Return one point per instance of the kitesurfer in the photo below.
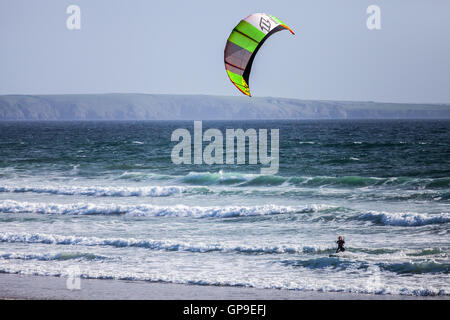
(340, 242)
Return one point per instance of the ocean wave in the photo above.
(186, 246)
(11, 206)
(157, 244)
(232, 178)
(265, 181)
(272, 182)
(427, 252)
(99, 191)
(325, 262)
(327, 193)
(240, 179)
(346, 181)
(438, 183)
(339, 264)
(394, 195)
(208, 178)
(418, 267)
(360, 181)
(247, 179)
(142, 176)
(52, 257)
(366, 285)
(373, 251)
(405, 219)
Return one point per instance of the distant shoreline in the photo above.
(27, 287)
(125, 106)
(226, 120)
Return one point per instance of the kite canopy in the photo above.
(243, 44)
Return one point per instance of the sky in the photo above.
(176, 47)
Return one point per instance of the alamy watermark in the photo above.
(73, 281)
(73, 22)
(213, 151)
(373, 21)
(374, 283)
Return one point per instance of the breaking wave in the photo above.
(419, 267)
(405, 219)
(156, 244)
(52, 257)
(11, 206)
(153, 191)
(241, 179)
(410, 267)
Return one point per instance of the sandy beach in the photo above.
(14, 286)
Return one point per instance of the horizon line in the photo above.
(214, 95)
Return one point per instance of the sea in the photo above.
(103, 200)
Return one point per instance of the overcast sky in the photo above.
(176, 47)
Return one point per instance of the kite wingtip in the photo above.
(289, 29)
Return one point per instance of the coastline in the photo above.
(31, 287)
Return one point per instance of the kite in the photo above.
(243, 45)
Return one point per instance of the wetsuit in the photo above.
(340, 246)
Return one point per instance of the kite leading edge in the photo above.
(243, 44)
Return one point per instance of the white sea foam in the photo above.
(159, 244)
(405, 219)
(370, 282)
(11, 206)
(99, 191)
(298, 269)
(167, 245)
(50, 256)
